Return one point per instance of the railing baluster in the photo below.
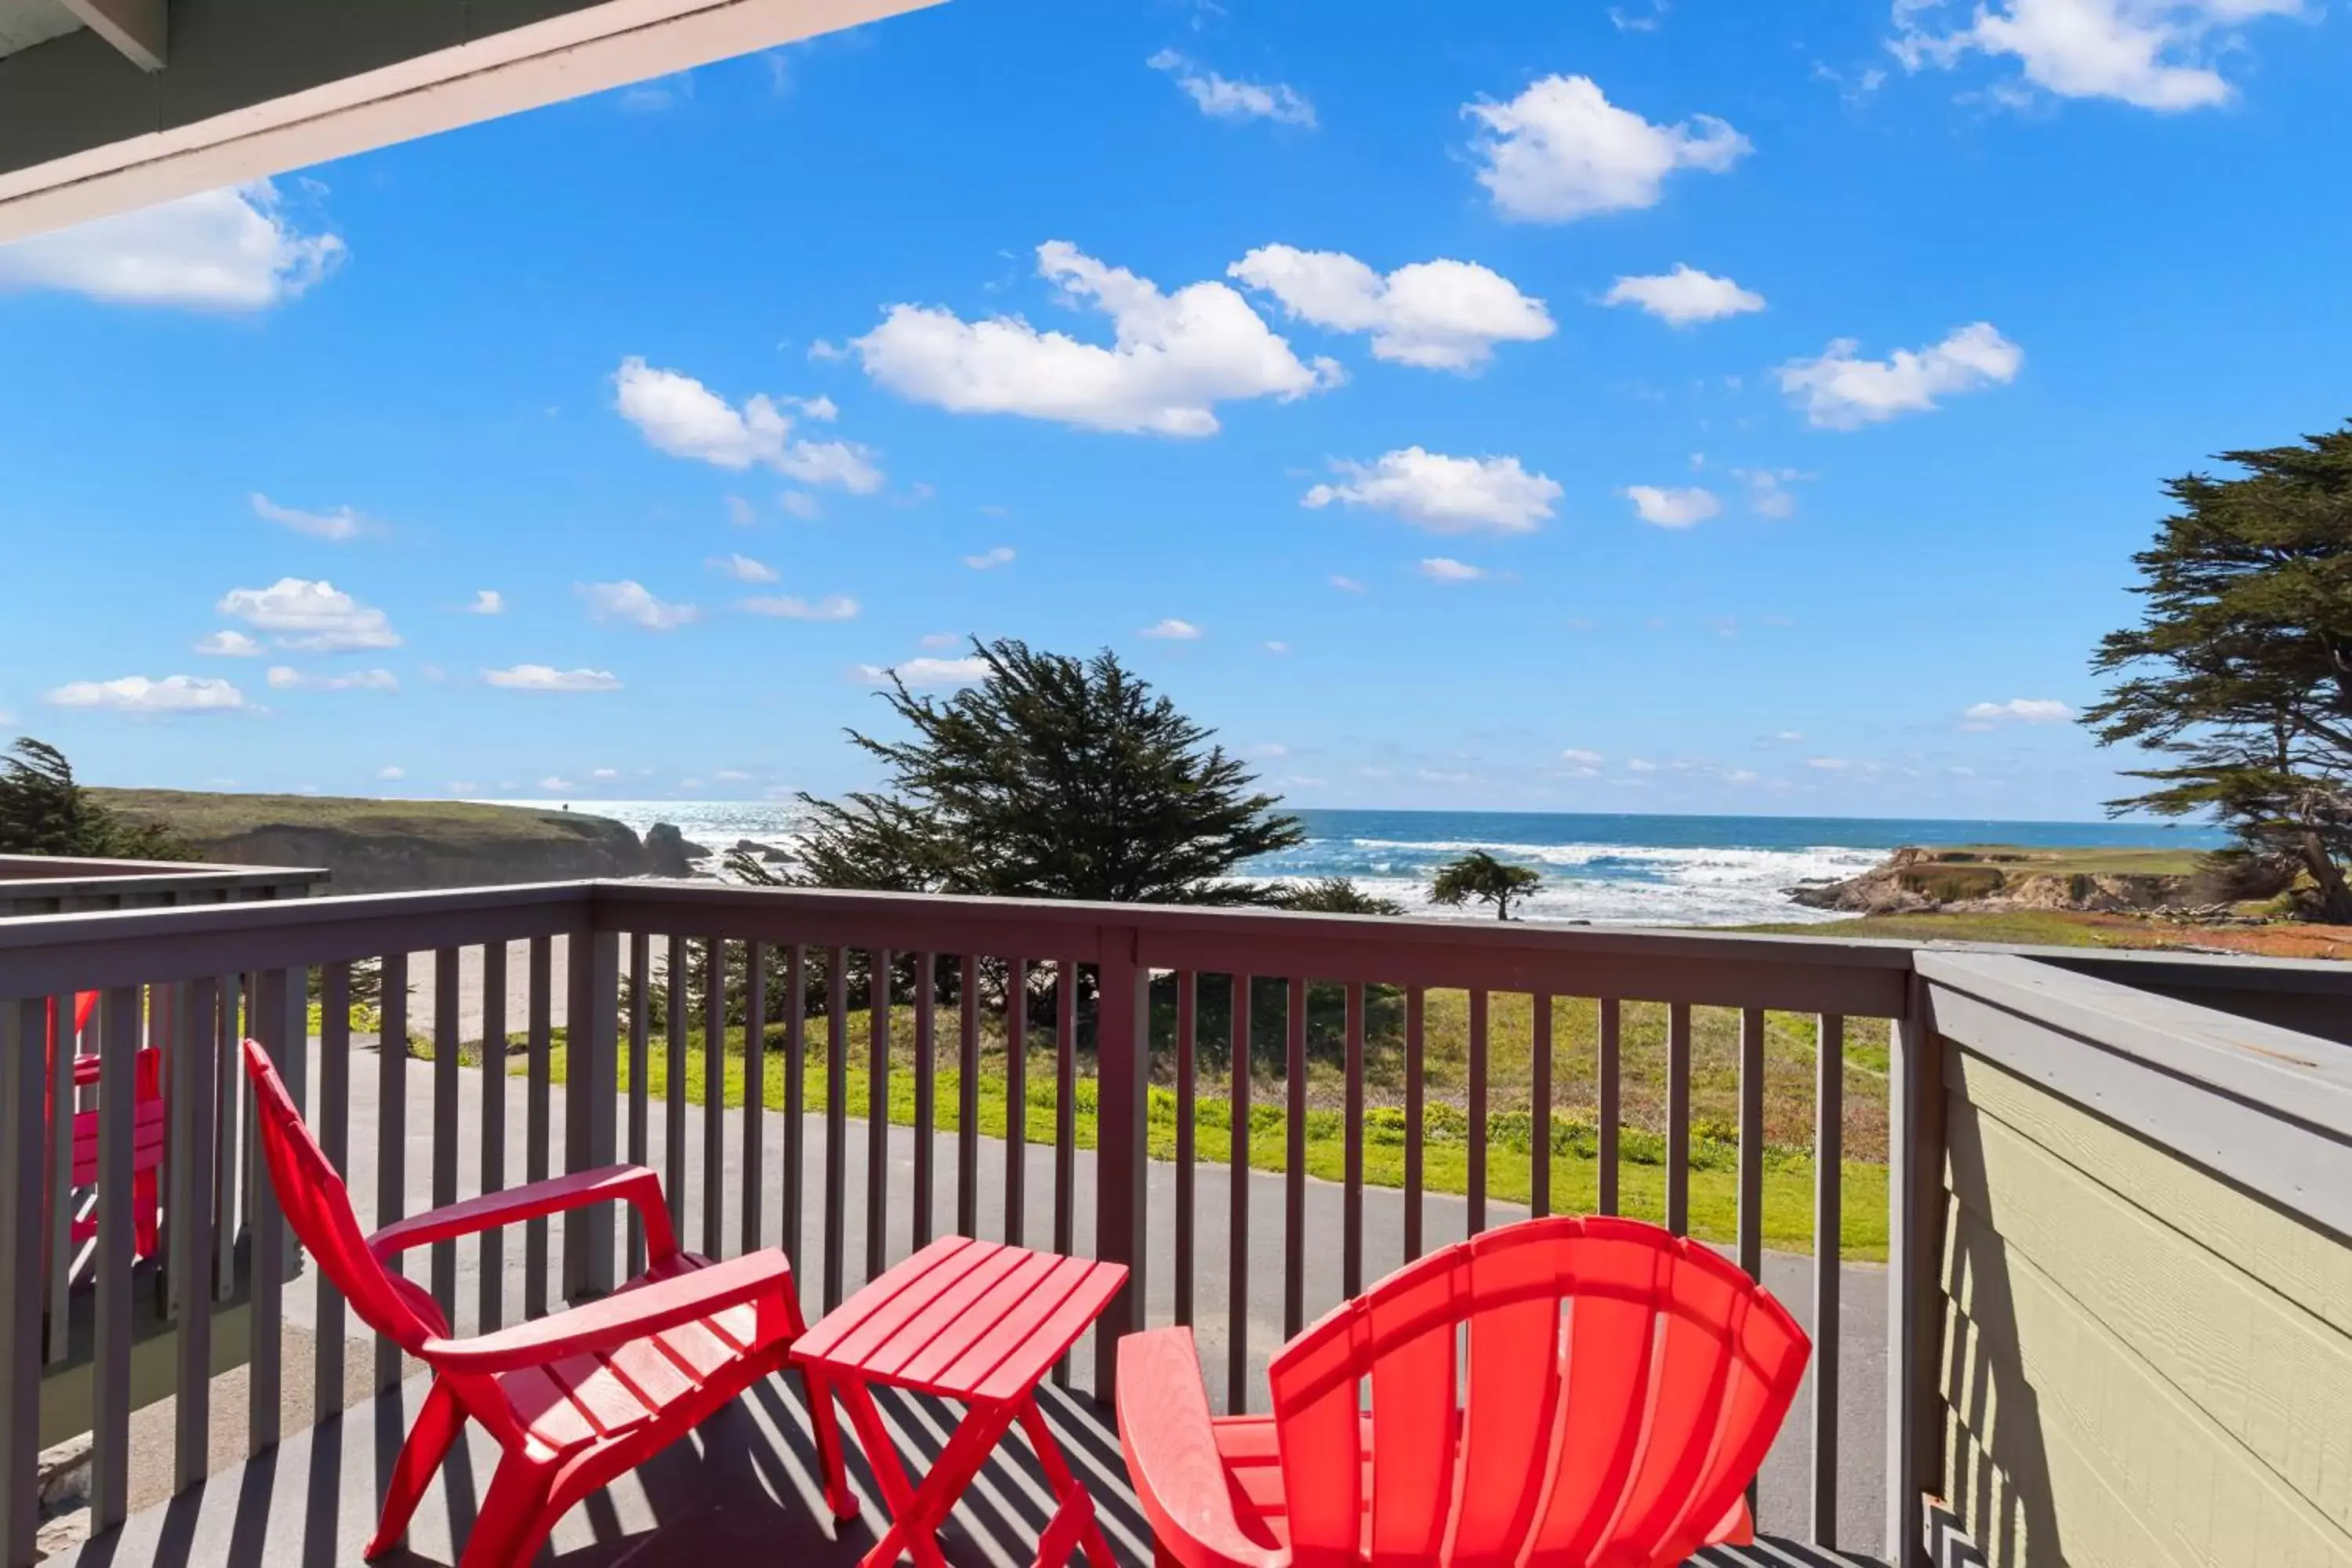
(927, 1047)
(1294, 1166)
(1186, 1021)
(795, 1096)
(228, 1077)
(332, 1114)
(445, 1084)
(1540, 1110)
(112, 1345)
(194, 1046)
(877, 1111)
(968, 1098)
(1016, 1099)
(836, 1115)
(25, 1045)
(714, 1099)
(755, 1090)
(1678, 1087)
(1065, 1110)
(1751, 1142)
(1477, 1117)
(281, 995)
(1609, 1024)
(60, 1047)
(1351, 1219)
(1238, 1173)
(539, 1073)
(640, 1114)
(1416, 1009)
(392, 1130)
(490, 1308)
(1829, 1218)
(678, 1005)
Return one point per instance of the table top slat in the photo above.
(869, 1320)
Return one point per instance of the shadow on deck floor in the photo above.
(738, 1491)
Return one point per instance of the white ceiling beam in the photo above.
(137, 27)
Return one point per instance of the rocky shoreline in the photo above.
(1917, 880)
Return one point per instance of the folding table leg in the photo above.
(912, 1526)
(1075, 1517)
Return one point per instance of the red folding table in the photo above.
(977, 1322)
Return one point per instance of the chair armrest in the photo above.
(636, 1313)
(632, 1185)
(1172, 1455)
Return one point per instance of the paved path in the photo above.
(1784, 1495)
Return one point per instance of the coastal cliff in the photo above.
(1993, 877)
(400, 846)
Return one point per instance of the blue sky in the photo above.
(1703, 406)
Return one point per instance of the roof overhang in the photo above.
(108, 105)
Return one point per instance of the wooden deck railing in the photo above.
(191, 980)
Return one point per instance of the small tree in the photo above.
(1051, 777)
(44, 812)
(1335, 896)
(1480, 875)
(2241, 668)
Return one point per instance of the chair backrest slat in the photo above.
(1622, 1386)
(316, 1203)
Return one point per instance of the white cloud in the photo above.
(1173, 356)
(2153, 54)
(1768, 491)
(1583, 758)
(228, 644)
(742, 568)
(1439, 315)
(732, 775)
(631, 600)
(1673, 507)
(740, 512)
(832, 607)
(605, 776)
(1828, 764)
(1640, 765)
(1347, 584)
(1626, 21)
(545, 677)
(284, 678)
(316, 617)
(487, 602)
(1172, 630)
(940, 639)
(1274, 645)
(2023, 709)
(989, 560)
(1685, 297)
(1561, 151)
(1442, 494)
(1840, 392)
(681, 416)
(555, 785)
(1446, 569)
(137, 694)
(801, 504)
(930, 671)
(392, 775)
(1221, 98)
(223, 250)
(817, 407)
(339, 525)
(1742, 776)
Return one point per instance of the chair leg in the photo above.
(515, 1516)
(144, 1211)
(826, 1423)
(436, 1427)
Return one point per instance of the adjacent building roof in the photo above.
(106, 105)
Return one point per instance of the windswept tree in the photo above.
(1479, 876)
(2241, 668)
(1334, 896)
(1051, 777)
(43, 811)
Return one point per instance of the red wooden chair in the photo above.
(1621, 1390)
(576, 1398)
(146, 1133)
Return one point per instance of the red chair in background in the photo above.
(146, 1132)
(1621, 1388)
(576, 1398)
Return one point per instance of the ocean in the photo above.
(1607, 869)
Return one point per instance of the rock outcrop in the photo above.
(1917, 880)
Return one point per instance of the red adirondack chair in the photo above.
(574, 1398)
(146, 1133)
(1621, 1388)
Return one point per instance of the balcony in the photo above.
(2114, 1321)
